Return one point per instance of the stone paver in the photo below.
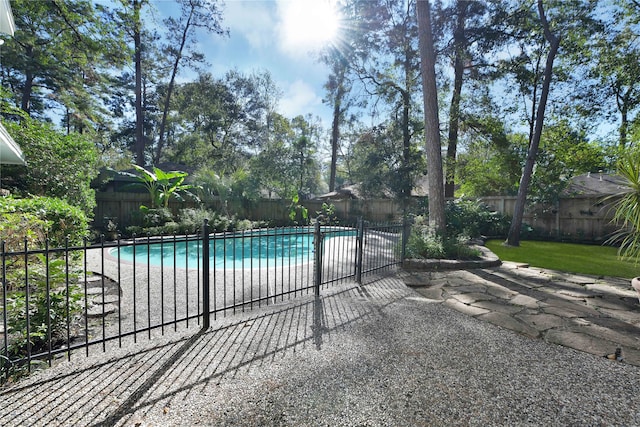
(590, 314)
(507, 321)
(465, 308)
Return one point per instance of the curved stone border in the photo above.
(488, 260)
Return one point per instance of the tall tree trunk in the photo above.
(335, 127)
(459, 41)
(623, 106)
(26, 92)
(25, 104)
(431, 122)
(167, 99)
(406, 149)
(139, 143)
(513, 239)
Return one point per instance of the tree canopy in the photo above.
(529, 94)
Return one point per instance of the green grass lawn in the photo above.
(573, 258)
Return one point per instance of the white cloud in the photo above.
(299, 98)
(254, 20)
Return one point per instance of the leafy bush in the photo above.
(473, 218)
(189, 222)
(52, 305)
(423, 243)
(40, 217)
(58, 165)
(327, 215)
(154, 217)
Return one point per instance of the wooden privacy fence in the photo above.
(573, 218)
(120, 207)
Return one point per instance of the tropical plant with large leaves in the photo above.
(627, 206)
(162, 185)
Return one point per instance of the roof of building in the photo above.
(595, 184)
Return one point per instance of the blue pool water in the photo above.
(254, 249)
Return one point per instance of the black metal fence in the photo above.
(56, 302)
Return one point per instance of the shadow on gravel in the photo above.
(107, 393)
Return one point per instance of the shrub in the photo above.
(40, 217)
(155, 217)
(58, 165)
(473, 218)
(52, 306)
(327, 215)
(423, 243)
(191, 220)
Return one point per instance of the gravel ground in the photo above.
(376, 355)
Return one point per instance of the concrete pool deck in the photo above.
(441, 351)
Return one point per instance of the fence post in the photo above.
(205, 276)
(317, 247)
(4, 357)
(359, 250)
(406, 230)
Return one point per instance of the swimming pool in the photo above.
(249, 249)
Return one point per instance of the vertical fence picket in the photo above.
(135, 296)
(102, 274)
(68, 289)
(26, 300)
(86, 298)
(47, 278)
(161, 285)
(186, 278)
(317, 239)
(205, 276)
(175, 289)
(149, 285)
(4, 361)
(359, 250)
(119, 296)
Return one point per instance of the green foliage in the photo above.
(465, 219)
(190, 221)
(327, 215)
(378, 163)
(52, 305)
(154, 217)
(298, 212)
(60, 58)
(424, 243)
(492, 163)
(39, 217)
(18, 228)
(220, 121)
(161, 185)
(627, 207)
(564, 153)
(493, 166)
(58, 165)
(473, 219)
(151, 221)
(287, 163)
(213, 187)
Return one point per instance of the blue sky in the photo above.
(278, 36)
